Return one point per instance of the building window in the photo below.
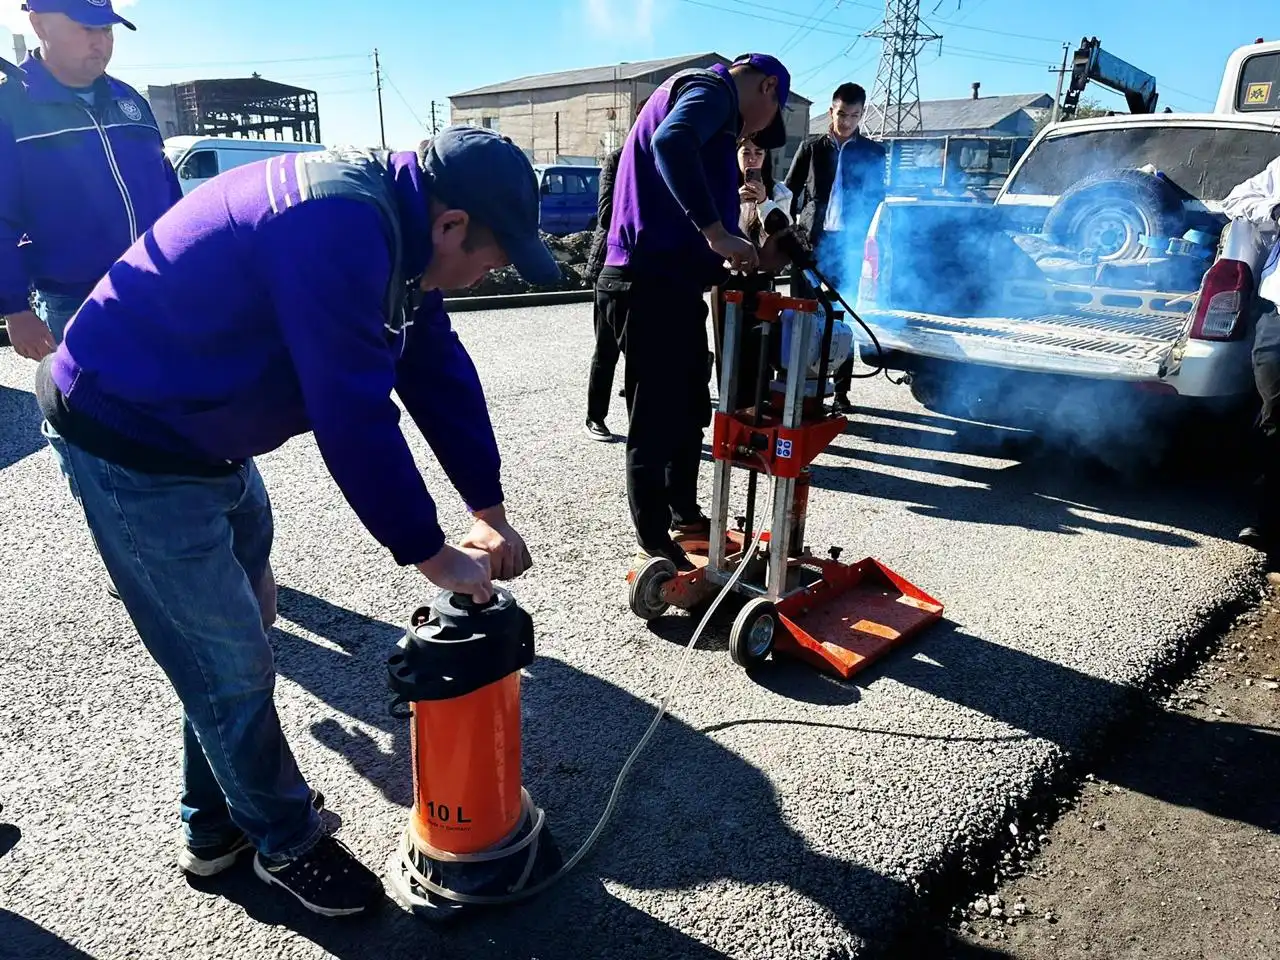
(489, 123)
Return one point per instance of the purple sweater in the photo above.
(244, 318)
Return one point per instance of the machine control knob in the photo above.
(741, 522)
(834, 553)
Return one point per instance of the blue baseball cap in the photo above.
(485, 174)
(774, 136)
(91, 13)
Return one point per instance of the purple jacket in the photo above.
(247, 316)
(678, 174)
(80, 183)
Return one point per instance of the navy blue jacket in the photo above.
(80, 184)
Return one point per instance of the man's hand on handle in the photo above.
(461, 571)
(508, 555)
(739, 254)
(29, 336)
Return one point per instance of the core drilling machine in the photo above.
(838, 617)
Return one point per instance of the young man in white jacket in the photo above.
(1258, 201)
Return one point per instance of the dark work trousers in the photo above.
(661, 328)
(749, 344)
(603, 363)
(1266, 374)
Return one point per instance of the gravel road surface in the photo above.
(781, 816)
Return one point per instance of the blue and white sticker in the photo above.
(784, 449)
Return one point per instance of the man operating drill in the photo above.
(674, 231)
(276, 301)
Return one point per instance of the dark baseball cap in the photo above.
(488, 176)
(91, 13)
(774, 136)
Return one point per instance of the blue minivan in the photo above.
(570, 197)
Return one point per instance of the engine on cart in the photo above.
(841, 348)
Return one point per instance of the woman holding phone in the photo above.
(755, 186)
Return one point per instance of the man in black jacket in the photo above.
(837, 181)
(605, 358)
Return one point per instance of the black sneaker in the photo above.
(596, 430)
(1254, 537)
(842, 406)
(327, 879)
(211, 861)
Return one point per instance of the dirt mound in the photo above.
(570, 251)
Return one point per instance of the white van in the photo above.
(200, 159)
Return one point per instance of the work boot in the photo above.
(596, 430)
(211, 861)
(842, 405)
(327, 879)
(672, 551)
(696, 529)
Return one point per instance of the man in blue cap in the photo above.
(82, 170)
(275, 301)
(674, 231)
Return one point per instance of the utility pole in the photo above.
(382, 122)
(897, 92)
(435, 127)
(1062, 75)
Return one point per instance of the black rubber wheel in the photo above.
(754, 631)
(646, 589)
(1108, 211)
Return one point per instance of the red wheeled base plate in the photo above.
(845, 620)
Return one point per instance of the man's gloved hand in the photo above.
(460, 571)
(739, 254)
(508, 554)
(29, 336)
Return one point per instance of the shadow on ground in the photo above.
(675, 828)
(19, 426)
(24, 940)
(1041, 488)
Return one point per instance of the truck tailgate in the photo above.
(1113, 345)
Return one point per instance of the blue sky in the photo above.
(433, 48)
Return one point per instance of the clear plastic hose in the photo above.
(531, 811)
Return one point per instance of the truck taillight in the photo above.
(1224, 297)
(870, 269)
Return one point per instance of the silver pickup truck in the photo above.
(1105, 272)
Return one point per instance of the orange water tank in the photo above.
(457, 671)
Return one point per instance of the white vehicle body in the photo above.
(1191, 342)
(199, 159)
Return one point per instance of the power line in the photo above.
(408, 106)
(796, 32)
(1189, 96)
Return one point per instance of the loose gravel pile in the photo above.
(570, 251)
(777, 816)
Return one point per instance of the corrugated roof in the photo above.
(618, 72)
(940, 116)
(624, 71)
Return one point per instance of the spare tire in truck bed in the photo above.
(1107, 213)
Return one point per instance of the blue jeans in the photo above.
(56, 310)
(186, 554)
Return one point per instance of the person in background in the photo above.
(83, 173)
(1258, 201)
(755, 185)
(674, 229)
(838, 181)
(605, 358)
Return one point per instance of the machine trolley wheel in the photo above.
(753, 633)
(646, 588)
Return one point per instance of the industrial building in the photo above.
(1015, 115)
(251, 107)
(583, 115)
